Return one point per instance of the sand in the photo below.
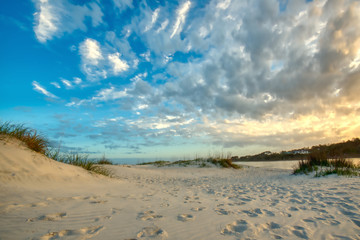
(44, 199)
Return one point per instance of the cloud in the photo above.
(118, 65)
(77, 80)
(123, 4)
(98, 62)
(244, 72)
(154, 18)
(104, 95)
(91, 57)
(180, 19)
(90, 51)
(42, 90)
(54, 18)
(262, 63)
(67, 83)
(55, 84)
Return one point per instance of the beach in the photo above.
(44, 199)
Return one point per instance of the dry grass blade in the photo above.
(40, 144)
(30, 137)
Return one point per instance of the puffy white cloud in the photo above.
(90, 51)
(91, 56)
(53, 18)
(97, 61)
(118, 65)
(47, 21)
(267, 69)
(42, 90)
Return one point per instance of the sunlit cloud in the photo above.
(117, 64)
(180, 18)
(232, 74)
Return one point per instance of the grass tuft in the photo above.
(80, 160)
(30, 137)
(156, 163)
(40, 144)
(323, 166)
(104, 161)
(200, 162)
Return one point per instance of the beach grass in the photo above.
(104, 161)
(322, 165)
(40, 144)
(80, 160)
(30, 137)
(199, 162)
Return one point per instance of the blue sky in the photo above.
(179, 79)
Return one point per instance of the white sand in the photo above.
(44, 199)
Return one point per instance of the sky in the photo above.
(181, 79)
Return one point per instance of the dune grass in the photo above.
(199, 162)
(104, 161)
(80, 160)
(319, 163)
(30, 137)
(40, 144)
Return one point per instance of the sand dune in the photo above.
(44, 199)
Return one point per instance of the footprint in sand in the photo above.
(293, 209)
(235, 228)
(299, 232)
(197, 209)
(310, 221)
(49, 217)
(87, 232)
(39, 204)
(115, 211)
(97, 201)
(97, 219)
(272, 226)
(185, 217)
(189, 199)
(269, 213)
(148, 215)
(285, 214)
(222, 211)
(152, 232)
(253, 212)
